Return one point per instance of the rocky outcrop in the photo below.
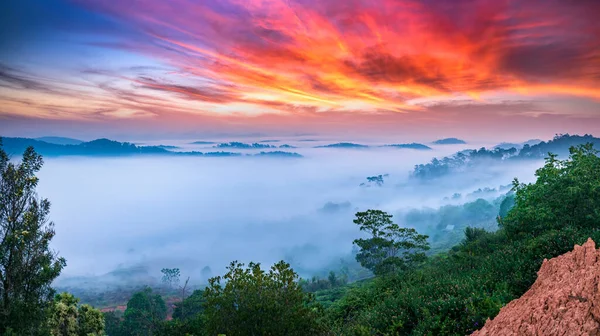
(564, 300)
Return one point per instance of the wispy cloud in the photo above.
(251, 57)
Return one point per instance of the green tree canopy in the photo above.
(191, 306)
(27, 265)
(256, 302)
(91, 321)
(389, 248)
(144, 314)
(63, 316)
(66, 319)
(566, 194)
(454, 293)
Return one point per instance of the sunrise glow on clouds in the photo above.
(302, 65)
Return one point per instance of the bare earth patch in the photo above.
(564, 300)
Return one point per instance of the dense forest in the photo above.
(416, 288)
(469, 159)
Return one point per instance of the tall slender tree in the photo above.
(27, 265)
(390, 248)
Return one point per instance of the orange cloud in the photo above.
(282, 56)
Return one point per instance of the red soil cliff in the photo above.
(564, 300)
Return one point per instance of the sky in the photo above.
(411, 69)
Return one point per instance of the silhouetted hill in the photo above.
(450, 141)
(60, 140)
(413, 145)
(462, 160)
(343, 145)
(279, 154)
(16, 146)
(559, 145)
(106, 147)
(532, 142)
(203, 143)
(241, 145)
(508, 145)
(207, 154)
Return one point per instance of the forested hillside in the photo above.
(467, 160)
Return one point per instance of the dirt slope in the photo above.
(564, 300)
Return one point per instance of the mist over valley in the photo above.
(137, 214)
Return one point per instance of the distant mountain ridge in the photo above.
(202, 143)
(509, 145)
(343, 145)
(413, 145)
(241, 145)
(256, 145)
(106, 147)
(450, 141)
(462, 160)
(60, 140)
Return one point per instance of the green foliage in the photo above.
(91, 321)
(194, 326)
(255, 302)
(566, 193)
(315, 283)
(63, 316)
(454, 293)
(113, 324)
(191, 306)
(27, 265)
(507, 204)
(66, 319)
(472, 158)
(473, 234)
(390, 247)
(144, 314)
(445, 226)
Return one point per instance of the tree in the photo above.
(565, 195)
(113, 324)
(170, 277)
(144, 314)
(27, 265)
(333, 280)
(188, 318)
(63, 316)
(91, 321)
(191, 306)
(507, 203)
(255, 302)
(66, 319)
(390, 247)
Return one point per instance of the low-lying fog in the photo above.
(192, 212)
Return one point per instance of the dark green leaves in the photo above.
(566, 193)
(144, 314)
(252, 301)
(390, 248)
(27, 265)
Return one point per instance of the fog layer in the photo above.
(190, 212)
